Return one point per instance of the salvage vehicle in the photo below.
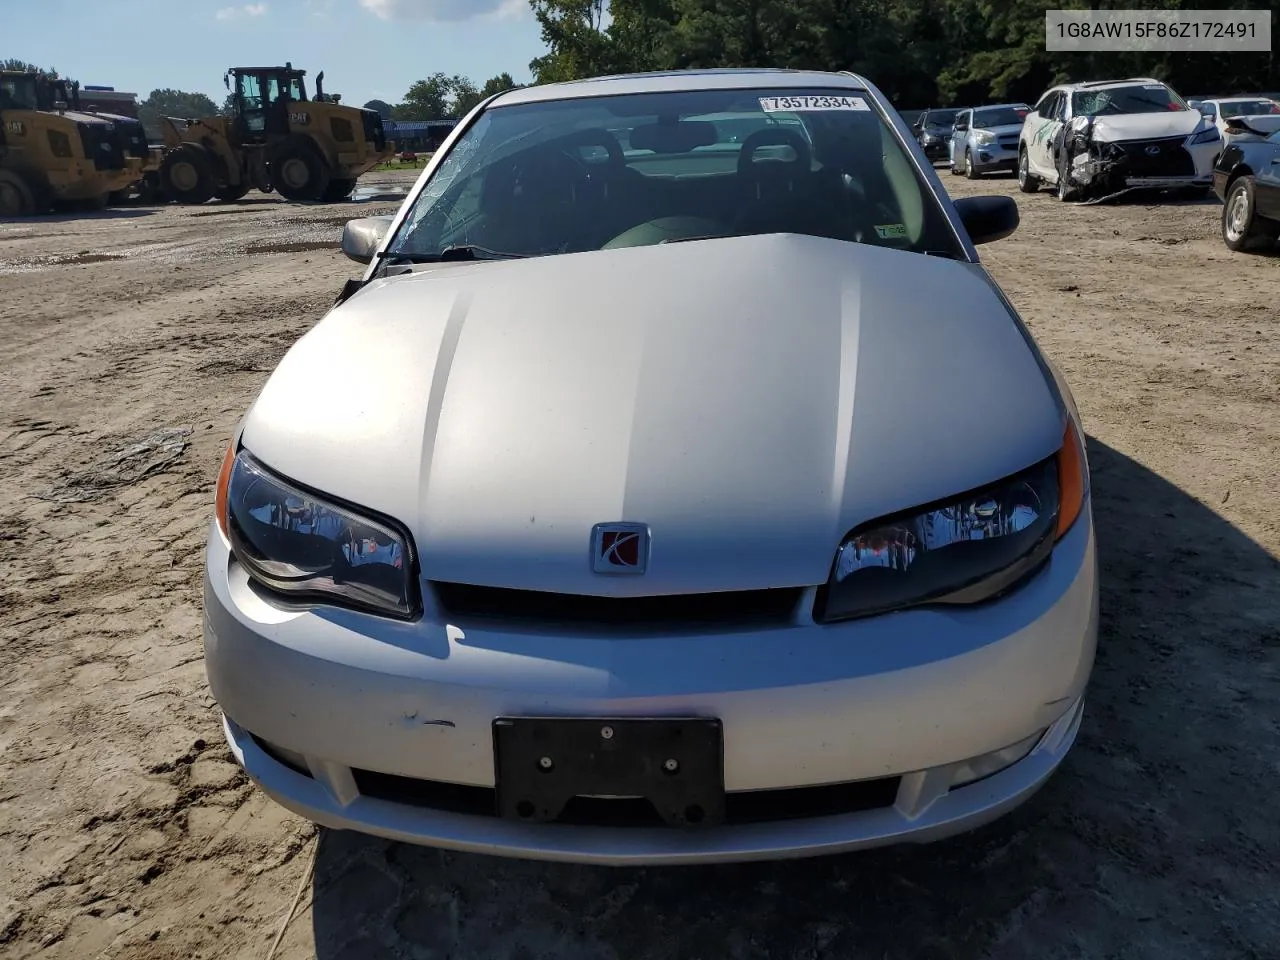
(277, 139)
(986, 139)
(1246, 179)
(933, 129)
(56, 156)
(1095, 141)
(758, 560)
(1261, 116)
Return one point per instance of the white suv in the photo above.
(1095, 140)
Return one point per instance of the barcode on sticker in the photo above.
(797, 104)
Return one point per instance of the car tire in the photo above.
(298, 171)
(1063, 189)
(1242, 229)
(970, 171)
(17, 197)
(1027, 182)
(187, 174)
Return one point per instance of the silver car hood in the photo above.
(750, 399)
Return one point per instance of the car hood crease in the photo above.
(749, 399)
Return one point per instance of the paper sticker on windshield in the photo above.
(1153, 86)
(798, 104)
(891, 231)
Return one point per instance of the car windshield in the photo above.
(575, 175)
(1139, 98)
(999, 117)
(940, 118)
(1248, 108)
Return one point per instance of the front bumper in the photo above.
(937, 150)
(995, 157)
(912, 696)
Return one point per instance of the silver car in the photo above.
(630, 508)
(985, 139)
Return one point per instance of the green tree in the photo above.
(174, 103)
(463, 96)
(229, 106)
(381, 107)
(498, 84)
(427, 99)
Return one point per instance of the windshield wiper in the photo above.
(454, 252)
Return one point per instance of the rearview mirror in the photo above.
(361, 238)
(988, 218)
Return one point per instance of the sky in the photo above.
(368, 49)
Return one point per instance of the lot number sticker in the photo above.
(891, 231)
(798, 104)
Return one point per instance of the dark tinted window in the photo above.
(999, 116)
(940, 118)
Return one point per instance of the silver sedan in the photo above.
(635, 507)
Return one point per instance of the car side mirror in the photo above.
(988, 218)
(361, 238)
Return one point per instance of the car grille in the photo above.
(1172, 160)
(1008, 141)
(536, 609)
(752, 806)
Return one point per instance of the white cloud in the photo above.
(247, 10)
(445, 9)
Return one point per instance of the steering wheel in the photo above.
(774, 137)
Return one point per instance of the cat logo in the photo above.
(300, 117)
(16, 127)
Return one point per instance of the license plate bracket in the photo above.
(677, 764)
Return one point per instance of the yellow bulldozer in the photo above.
(276, 139)
(56, 156)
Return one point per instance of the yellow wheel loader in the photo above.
(277, 139)
(133, 136)
(57, 156)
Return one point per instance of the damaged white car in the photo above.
(1095, 141)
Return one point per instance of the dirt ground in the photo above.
(131, 342)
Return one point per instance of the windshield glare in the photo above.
(999, 117)
(596, 173)
(1140, 98)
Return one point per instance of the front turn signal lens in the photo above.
(220, 493)
(1073, 477)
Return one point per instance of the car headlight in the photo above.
(965, 549)
(984, 138)
(928, 138)
(1207, 135)
(302, 545)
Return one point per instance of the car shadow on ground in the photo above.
(1148, 808)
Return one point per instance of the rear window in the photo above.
(999, 116)
(1249, 108)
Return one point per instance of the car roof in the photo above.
(1104, 84)
(674, 81)
(1237, 99)
(1000, 106)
